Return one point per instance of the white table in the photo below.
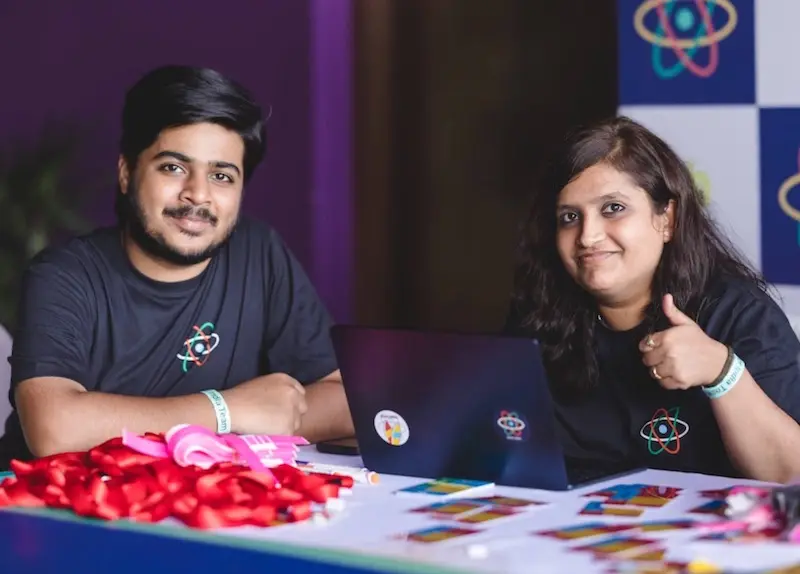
(374, 515)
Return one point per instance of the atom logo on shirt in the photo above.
(664, 431)
(198, 347)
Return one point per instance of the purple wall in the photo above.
(332, 124)
(73, 61)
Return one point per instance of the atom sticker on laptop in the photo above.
(512, 425)
(391, 427)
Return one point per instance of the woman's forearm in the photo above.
(761, 439)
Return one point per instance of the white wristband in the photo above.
(220, 410)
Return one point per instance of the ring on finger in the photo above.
(654, 372)
(650, 342)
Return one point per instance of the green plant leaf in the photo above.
(36, 204)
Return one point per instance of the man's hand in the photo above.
(271, 404)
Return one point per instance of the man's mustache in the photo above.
(193, 212)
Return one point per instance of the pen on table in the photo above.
(362, 475)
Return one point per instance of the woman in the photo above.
(662, 345)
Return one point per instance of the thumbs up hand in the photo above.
(682, 356)
(677, 317)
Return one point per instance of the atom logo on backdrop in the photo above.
(685, 28)
(675, 53)
(780, 194)
(669, 48)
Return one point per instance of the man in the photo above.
(184, 312)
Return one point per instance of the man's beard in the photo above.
(153, 243)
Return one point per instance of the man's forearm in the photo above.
(87, 419)
(328, 415)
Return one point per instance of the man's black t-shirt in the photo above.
(629, 420)
(88, 315)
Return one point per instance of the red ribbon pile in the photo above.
(112, 481)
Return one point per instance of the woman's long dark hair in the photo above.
(560, 313)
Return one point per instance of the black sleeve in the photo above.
(763, 338)
(55, 314)
(298, 325)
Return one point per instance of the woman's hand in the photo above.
(682, 356)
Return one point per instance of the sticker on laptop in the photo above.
(512, 425)
(391, 427)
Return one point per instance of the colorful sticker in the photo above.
(436, 534)
(585, 530)
(509, 501)
(447, 487)
(615, 545)
(513, 425)
(599, 509)
(638, 495)
(665, 525)
(716, 507)
(391, 427)
(449, 508)
(654, 555)
(487, 515)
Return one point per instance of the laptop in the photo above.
(435, 405)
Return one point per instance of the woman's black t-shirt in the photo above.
(629, 420)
